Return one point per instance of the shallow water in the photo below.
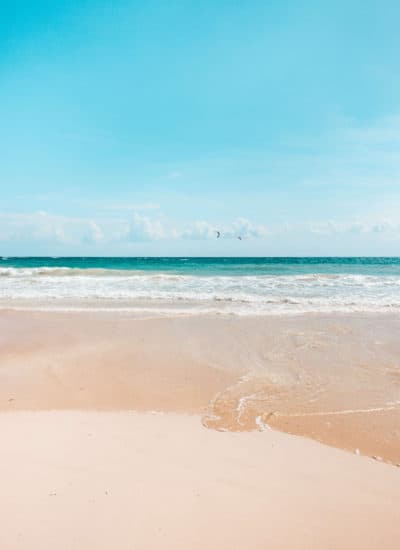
(331, 377)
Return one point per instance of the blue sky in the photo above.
(141, 128)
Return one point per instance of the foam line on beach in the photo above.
(336, 413)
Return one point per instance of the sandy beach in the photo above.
(334, 378)
(124, 432)
(199, 275)
(100, 480)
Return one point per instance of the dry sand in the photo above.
(106, 480)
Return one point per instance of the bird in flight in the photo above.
(240, 238)
(218, 234)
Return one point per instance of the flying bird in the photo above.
(240, 238)
(218, 234)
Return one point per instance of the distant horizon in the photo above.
(203, 257)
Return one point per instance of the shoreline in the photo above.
(238, 374)
(146, 308)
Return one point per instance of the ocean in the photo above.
(233, 286)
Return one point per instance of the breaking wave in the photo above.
(239, 294)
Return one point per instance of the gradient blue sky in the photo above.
(140, 128)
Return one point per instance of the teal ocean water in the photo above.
(218, 266)
(224, 285)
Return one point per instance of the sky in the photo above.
(143, 128)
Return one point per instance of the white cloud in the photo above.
(93, 234)
(61, 231)
(199, 231)
(49, 228)
(356, 227)
(42, 227)
(245, 229)
(239, 228)
(142, 228)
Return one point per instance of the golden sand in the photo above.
(332, 378)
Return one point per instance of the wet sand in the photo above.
(101, 480)
(334, 378)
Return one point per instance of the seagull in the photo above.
(218, 234)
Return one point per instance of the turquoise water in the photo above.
(242, 286)
(221, 266)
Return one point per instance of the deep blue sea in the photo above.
(224, 285)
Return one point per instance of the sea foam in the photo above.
(242, 294)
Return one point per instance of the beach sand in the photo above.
(128, 433)
(335, 378)
(100, 480)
